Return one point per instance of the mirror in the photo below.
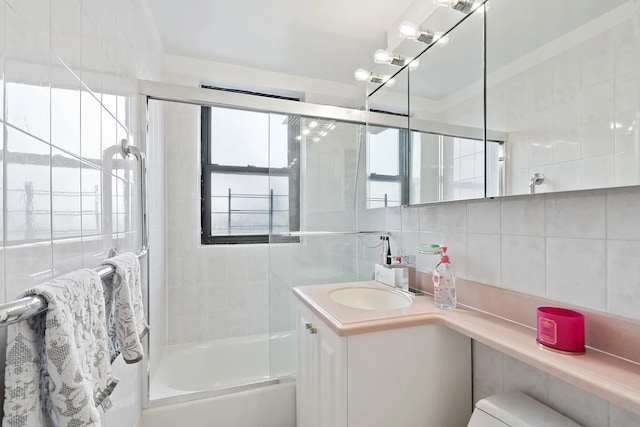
(566, 93)
(562, 101)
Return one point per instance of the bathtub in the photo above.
(215, 382)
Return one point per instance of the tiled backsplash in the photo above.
(581, 248)
(67, 93)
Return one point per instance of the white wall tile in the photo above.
(483, 216)
(483, 258)
(576, 215)
(575, 272)
(456, 244)
(598, 172)
(623, 277)
(487, 371)
(619, 417)
(524, 216)
(430, 218)
(579, 405)
(523, 264)
(453, 217)
(519, 376)
(623, 205)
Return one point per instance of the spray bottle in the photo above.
(444, 283)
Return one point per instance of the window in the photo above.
(250, 176)
(387, 167)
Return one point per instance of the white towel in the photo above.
(58, 369)
(126, 323)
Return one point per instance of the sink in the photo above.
(370, 299)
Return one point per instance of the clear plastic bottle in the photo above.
(444, 283)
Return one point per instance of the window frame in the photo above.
(207, 168)
(403, 168)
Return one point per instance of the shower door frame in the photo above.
(159, 91)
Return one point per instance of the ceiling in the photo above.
(323, 39)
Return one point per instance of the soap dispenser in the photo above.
(444, 283)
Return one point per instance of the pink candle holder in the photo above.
(561, 329)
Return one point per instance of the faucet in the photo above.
(536, 179)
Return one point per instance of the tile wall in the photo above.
(67, 87)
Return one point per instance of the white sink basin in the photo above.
(370, 299)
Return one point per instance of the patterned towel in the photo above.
(126, 324)
(58, 369)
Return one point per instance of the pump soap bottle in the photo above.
(444, 283)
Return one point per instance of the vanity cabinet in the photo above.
(407, 377)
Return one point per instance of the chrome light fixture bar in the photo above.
(410, 31)
(382, 56)
(463, 6)
(363, 75)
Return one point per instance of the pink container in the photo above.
(561, 329)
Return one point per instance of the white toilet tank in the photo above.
(516, 409)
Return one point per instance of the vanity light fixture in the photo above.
(363, 75)
(410, 31)
(382, 56)
(464, 6)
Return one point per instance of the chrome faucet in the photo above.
(536, 179)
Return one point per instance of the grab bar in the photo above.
(27, 307)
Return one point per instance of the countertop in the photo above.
(607, 376)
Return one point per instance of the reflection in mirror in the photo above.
(567, 93)
(446, 157)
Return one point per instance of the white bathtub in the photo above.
(189, 374)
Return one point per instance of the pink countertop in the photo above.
(609, 377)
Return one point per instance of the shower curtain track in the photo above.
(24, 308)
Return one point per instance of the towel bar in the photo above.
(24, 308)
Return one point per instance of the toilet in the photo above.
(516, 409)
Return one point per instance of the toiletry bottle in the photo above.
(444, 283)
(382, 259)
(388, 256)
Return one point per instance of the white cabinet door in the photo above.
(306, 382)
(321, 385)
(332, 378)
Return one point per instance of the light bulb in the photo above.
(298, 138)
(362, 75)
(313, 124)
(382, 56)
(414, 63)
(306, 132)
(408, 30)
(316, 139)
